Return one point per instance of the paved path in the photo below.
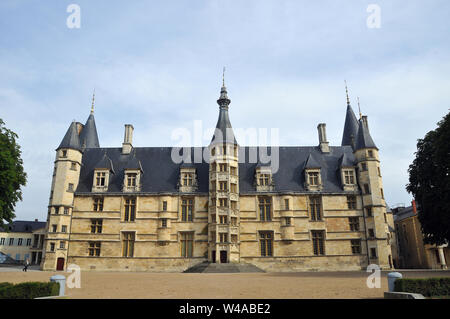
(135, 285)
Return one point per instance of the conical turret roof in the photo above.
(71, 139)
(224, 131)
(363, 139)
(350, 127)
(88, 136)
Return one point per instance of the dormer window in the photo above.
(131, 181)
(348, 178)
(101, 178)
(313, 179)
(188, 179)
(263, 179)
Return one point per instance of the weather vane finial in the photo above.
(93, 100)
(346, 92)
(359, 108)
(223, 77)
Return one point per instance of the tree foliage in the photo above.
(429, 183)
(12, 175)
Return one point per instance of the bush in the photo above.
(428, 287)
(28, 290)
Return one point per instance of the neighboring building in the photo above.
(136, 209)
(23, 240)
(412, 252)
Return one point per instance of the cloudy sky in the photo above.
(158, 65)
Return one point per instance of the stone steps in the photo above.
(207, 267)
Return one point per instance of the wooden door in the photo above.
(223, 257)
(60, 264)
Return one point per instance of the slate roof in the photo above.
(404, 213)
(23, 226)
(105, 163)
(161, 173)
(88, 136)
(345, 161)
(71, 139)
(363, 139)
(350, 127)
(311, 162)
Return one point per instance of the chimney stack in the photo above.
(323, 143)
(364, 119)
(127, 144)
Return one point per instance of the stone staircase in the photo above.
(207, 267)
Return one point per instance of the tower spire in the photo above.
(346, 92)
(359, 108)
(223, 77)
(93, 101)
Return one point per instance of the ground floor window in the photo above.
(94, 249)
(318, 238)
(128, 239)
(187, 244)
(266, 242)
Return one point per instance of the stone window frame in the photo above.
(96, 225)
(355, 246)
(308, 185)
(133, 175)
(186, 240)
(98, 203)
(265, 215)
(128, 239)
(318, 238)
(96, 185)
(188, 176)
(266, 239)
(264, 179)
(189, 215)
(317, 217)
(94, 248)
(130, 215)
(352, 202)
(353, 223)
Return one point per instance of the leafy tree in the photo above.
(429, 183)
(12, 175)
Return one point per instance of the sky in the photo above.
(158, 65)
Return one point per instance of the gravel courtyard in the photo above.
(212, 285)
